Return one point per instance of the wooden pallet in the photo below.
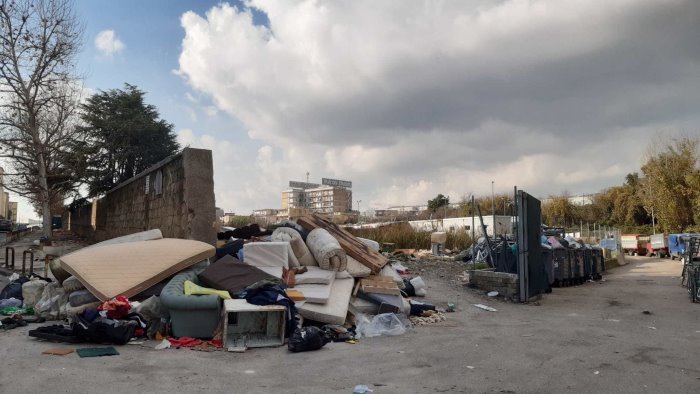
(352, 246)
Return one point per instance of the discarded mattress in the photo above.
(148, 235)
(231, 275)
(356, 269)
(326, 250)
(315, 276)
(129, 268)
(299, 248)
(374, 245)
(317, 293)
(336, 309)
(269, 254)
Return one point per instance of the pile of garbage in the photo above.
(303, 283)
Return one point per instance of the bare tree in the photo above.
(39, 40)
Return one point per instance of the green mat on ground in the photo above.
(97, 352)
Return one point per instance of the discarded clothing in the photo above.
(105, 330)
(12, 310)
(193, 342)
(230, 248)
(10, 303)
(116, 308)
(14, 289)
(274, 295)
(55, 333)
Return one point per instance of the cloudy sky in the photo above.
(407, 99)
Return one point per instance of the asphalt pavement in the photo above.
(634, 332)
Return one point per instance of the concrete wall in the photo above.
(183, 207)
(507, 285)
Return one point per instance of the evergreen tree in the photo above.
(126, 136)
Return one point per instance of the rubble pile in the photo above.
(304, 283)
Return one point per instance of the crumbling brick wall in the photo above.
(505, 284)
(175, 196)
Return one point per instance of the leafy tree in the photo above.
(671, 180)
(38, 98)
(558, 211)
(126, 137)
(438, 202)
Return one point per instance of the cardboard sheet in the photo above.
(132, 267)
(336, 309)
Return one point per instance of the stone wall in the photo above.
(505, 284)
(175, 196)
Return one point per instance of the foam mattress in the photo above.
(129, 268)
(336, 309)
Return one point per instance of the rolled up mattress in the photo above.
(326, 250)
(301, 251)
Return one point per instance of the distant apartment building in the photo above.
(227, 217)
(265, 216)
(331, 197)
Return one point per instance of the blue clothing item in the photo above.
(274, 295)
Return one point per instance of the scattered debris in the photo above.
(61, 351)
(492, 294)
(486, 308)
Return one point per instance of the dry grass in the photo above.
(403, 236)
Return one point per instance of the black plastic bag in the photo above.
(104, 330)
(14, 289)
(307, 338)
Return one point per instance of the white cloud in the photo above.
(108, 43)
(411, 99)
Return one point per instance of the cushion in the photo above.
(229, 274)
(193, 289)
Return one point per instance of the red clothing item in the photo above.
(116, 308)
(192, 342)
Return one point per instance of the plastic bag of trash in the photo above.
(383, 324)
(32, 291)
(52, 304)
(307, 338)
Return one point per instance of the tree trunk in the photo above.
(44, 199)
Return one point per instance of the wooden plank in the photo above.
(352, 246)
(379, 286)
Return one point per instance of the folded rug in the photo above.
(326, 250)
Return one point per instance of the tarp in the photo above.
(129, 268)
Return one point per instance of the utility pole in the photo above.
(307, 177)
(653, 224)
(493, 210)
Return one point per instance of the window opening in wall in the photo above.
(148, 184)
(158, 183)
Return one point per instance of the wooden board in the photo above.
(380, 286)
(352, 246)
(130, 268)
